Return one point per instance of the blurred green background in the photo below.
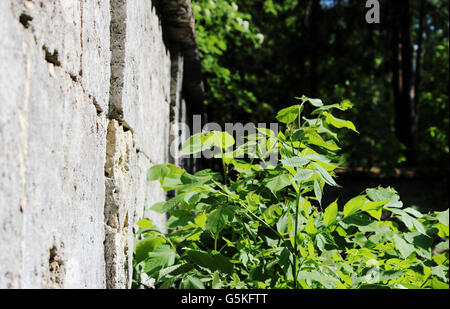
(258, 55)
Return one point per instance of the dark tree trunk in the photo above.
(405, 127)
(314, 48)
(419, 57)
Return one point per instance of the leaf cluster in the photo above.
(263, 225)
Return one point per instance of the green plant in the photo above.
(254, 227)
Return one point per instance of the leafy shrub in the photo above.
(254, 227)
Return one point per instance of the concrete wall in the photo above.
(86, 89)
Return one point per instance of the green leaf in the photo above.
(191, 282)
(295, 161)
(283, 224)
(419, 227)
(440, 271)
(220, 139)
(217, 220)
(212, 261)
(325, 175)
(413, 212)
(339, 123)
(443, 217)
(376, 213)
(144, 247)
(372, 205)
(179, 217)
(216, 282)
(438, 284)
(303, 175)
(391, 274)
(315, 139)
(310, 228)
(314, 102)
(162, 256)
(194, 144)
(145, 223)
(381, 194)
(163, 207)
(158, 172)
(402, 246)
(354, 205)
(277, 183)
(318, 191)
(316, 276)
(272, 213)
(330, 214)
(200, 220)
(358, 219)
(168, 270)
(289, 114)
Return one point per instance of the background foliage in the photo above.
(258, 55)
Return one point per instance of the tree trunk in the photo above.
(419, 57)
(314, 48)
(405, 127)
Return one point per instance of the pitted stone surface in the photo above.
(52, 145)
(85, 93)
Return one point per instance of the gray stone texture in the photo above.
(52, 146)
(86, 89)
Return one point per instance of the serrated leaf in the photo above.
(295, 161)
(158, 172)
(216, 282)
(217, 220)
(191, 282)
(330, 213)
(162, 256)
(168, 270)
(283, 224)
(163, 207)
(354, 205)
(391, 274)
(144, 247)
(381, 194)
(220, 139)
(372, 205)
(289, 114)
(194, 144)
(303, 174)
(318, 191)
(144, 223)
(212, 261)
(443, 217)
(200, 219)
(402, 246)
(438, 284)
(314, 138)
(339, 123)
(310, 228)
(314, 102)
(325, 175)
(277, 183)
(413, 212)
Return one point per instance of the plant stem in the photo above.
(215, 241)
(225, 169)
(297, 201)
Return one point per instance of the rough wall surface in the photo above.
(86, 92)
(52, 143)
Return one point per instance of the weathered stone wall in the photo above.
(86, 93)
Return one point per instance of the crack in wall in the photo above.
(52, 57)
